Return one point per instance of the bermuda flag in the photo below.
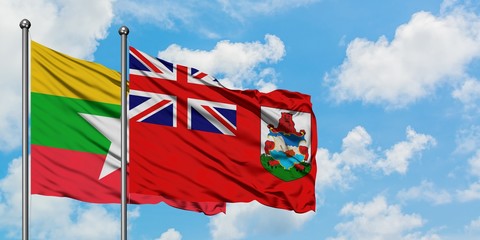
(75, 131)
(195, 140)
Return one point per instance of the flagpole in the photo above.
(123, 31)
(25, 26)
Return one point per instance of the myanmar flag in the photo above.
(75, 132)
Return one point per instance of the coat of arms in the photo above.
(285, 150)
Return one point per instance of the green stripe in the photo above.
(56, 122)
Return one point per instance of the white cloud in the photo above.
(331, 171)
(169, 14)
(61, 24)
(170, 234)
(398, 157)
(420, 236)
(336, 169)
(267, 80)
(242, 69)
(242, 9)
(244, 219)
(425, 191)
(468, 139)
(134, 213)
(11, 196)
(470, 194)
(58, 24)
(188, 14)
(357, 152)
(473, 226)
(172, 14)
(91, 222)
(52, 217)
(474, 163)
(468, 93)
(161, 12)
(471, 231)
(411, 66)
(448, 5)
(377, 220)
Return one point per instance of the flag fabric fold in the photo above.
(75, 132)
(195, 140)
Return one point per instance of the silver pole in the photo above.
(123, 31)
(25, 26)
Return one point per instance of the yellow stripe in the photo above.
(57, 74)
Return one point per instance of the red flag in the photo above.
(192, 139)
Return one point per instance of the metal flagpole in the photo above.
(25, 26)
(123, 31)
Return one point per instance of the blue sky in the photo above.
(394, 84)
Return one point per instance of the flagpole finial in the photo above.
(25, 24)
(123, 30)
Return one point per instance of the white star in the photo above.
(110, 128)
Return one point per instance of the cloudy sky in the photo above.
(395, 87)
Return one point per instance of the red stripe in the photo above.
(181, 91)
(200, 75)
(66, 173)
(182, 73)
(150, 110)
(219, 118)
(145, 60)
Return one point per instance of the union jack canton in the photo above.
(152, 82)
